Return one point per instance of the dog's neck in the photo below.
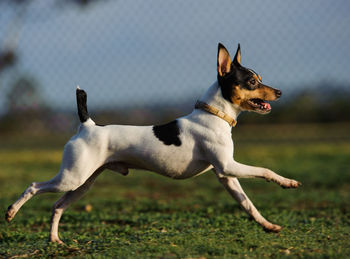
(214, 98)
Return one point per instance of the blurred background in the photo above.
(147, 62)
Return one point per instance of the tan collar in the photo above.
(206, 107)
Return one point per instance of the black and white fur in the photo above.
(183, 148)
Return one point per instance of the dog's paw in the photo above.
(269, 227)
(10, 214)
(289, 183)
(55, 239)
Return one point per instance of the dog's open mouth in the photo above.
(259, 105)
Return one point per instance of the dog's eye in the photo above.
(252, 81)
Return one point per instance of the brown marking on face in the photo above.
(259, 77)
(256, 78)
(240, 95)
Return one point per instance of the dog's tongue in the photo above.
(267, 106)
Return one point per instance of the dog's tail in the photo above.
(81, 104)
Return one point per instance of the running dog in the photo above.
(183, 148)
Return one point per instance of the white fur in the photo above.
(206, 144)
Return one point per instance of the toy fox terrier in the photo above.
(183, 148)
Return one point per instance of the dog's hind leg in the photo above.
(33, 189)
(65, 180)
(75, 170)
(233, 186)
(65, 201)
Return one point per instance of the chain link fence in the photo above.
(145, 62)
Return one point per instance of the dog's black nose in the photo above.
(278, 93)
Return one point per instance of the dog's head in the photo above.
(242, 86)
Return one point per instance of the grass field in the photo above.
(149, 216)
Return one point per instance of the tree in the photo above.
(24, 96)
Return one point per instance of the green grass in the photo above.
(146, 215)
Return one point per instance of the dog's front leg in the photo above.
(232, 185)
(235, 169)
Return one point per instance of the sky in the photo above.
(158, 52)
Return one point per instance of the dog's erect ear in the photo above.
(224, 60)
(237, 59)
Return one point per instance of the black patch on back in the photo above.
(168, 133)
